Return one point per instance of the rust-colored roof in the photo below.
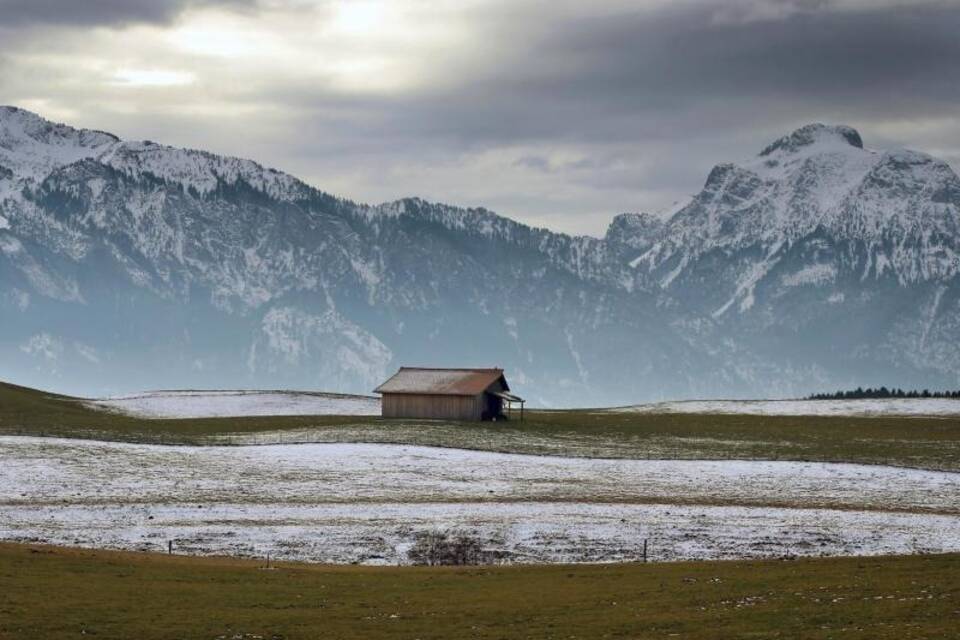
(446, 382)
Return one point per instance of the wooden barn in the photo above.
(447, 394)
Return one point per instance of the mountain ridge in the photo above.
(259, 277)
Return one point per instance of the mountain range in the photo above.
(816, 264)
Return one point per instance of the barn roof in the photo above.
(446, 382)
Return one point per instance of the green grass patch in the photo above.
(54, 593)
(920, 442)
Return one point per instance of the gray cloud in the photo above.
(605, 78)
(561, 117)
(670, 77)
(92, 13)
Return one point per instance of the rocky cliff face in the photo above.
(128, 265)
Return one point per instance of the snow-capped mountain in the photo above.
(129, 265)
(825, 255)
(900, 206)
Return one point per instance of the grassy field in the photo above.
(932, 443)
(48, 592)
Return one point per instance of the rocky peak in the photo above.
(32, 146)
(19, 126)
(634, 230)
(815, 134)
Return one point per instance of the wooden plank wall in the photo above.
(440, 407)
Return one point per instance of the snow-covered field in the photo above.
(366, 502)
(523, 532)
(872, 407)
(214, 404)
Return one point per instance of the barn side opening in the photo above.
(509, 399)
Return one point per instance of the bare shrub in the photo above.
(435, 548)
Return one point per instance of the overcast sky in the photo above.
(556, 113)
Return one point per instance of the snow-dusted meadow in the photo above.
(219, 404)
(868, 407)
(341, 502)
(365, 502)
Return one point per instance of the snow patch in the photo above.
(813, 274)
(931, 314)
(220, 404)
(577, 360)
(341, 349)
(364, 502)
(751, 276)
(869, 407)
(45, 282)
(679, 205)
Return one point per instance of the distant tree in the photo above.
(883, 392)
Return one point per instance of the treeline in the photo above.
(860, 393)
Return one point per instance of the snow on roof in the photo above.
(451, 382)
